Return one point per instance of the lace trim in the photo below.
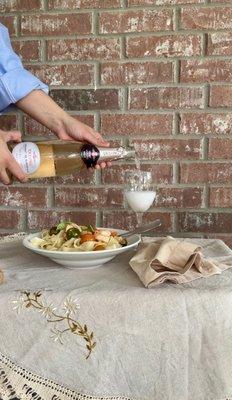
(18, 384)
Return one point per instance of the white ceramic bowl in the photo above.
(85, 259)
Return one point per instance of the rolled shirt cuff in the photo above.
(16, 84)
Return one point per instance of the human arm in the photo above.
(42, 108)
(18, 86)
(15, 81)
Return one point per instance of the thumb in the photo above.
(14, 136)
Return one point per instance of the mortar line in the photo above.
(176, 124)
(176, 72)
(175, 222)
(124, 3)
(204, 43)
(206, 97)
(43, 51)
(45, 5)
(124, 98)
(95, 23)
(50, 196)
(176, 172)
(204, 149)
(206, 197)
(176, 19)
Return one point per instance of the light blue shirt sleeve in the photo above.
(15, 81)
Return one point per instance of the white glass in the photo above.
(139, 192)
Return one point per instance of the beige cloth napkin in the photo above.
(1, 277)
(173, 260)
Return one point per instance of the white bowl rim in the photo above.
(28, 245)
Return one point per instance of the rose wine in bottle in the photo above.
(56, 158)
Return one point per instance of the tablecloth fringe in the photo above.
(18, 383)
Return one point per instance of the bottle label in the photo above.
(27, 155)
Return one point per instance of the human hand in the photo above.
(72, 129)
(7, 161)
(43, 109)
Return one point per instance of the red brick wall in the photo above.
(156, 73)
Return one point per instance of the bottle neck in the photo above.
(90, 154)
(118, 153)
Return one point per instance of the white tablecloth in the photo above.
(173, 342)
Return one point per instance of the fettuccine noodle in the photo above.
(68, 236)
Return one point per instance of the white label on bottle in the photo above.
(27, 155)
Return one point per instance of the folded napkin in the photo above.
(1, 277)
(173, 260)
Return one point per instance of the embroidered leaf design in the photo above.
(72, 325)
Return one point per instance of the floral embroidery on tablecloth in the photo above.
(63, 322)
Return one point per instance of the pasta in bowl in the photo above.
(73, 245)
(68, 236)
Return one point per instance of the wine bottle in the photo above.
(56, 158)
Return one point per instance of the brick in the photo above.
(81, 99)
(166, 149)
(10, 22)
(206, 173)
(23, 196)
(206, 18)
(81, 4)
(221, 197)
(20, 5)
(220, 149)
(34, 128)
(115, 73)
(66, 74)
(168, 97)
(28, 50)
(136, 124)
(80, 197)
(135, 21)
(161, 173)
(205, 222)
(205, 123)
(164, 46)
(10, 219)
(127, 220)
(83, 49)
(9, 122)
(219, 44)
(40, 219)
(178, 197)
(162, 2)
(206, 71)
(84, 176)
(221, 96)
(56, 24)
